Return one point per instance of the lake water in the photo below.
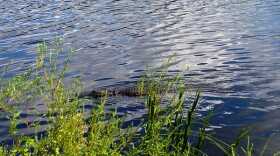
(232, 48)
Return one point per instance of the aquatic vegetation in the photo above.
(170, 128)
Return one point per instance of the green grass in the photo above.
(169, 129)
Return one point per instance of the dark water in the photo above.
(232, 48)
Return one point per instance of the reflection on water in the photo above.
(231, 47)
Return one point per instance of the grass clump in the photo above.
(170, 128)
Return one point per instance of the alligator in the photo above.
(130, 91)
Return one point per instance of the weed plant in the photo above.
(169, 129)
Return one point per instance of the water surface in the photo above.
(231, 47)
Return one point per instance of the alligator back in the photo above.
(130, 91)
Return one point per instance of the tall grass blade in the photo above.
(189, 120)
(265, 146)
(249, 148)
(219, 145)
(201, 133)
(238, 139)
